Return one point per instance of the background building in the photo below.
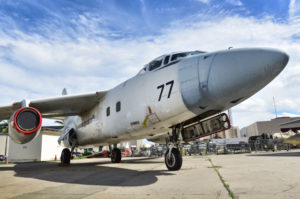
(234, 132)
(3, 143)
(42, 148)
(269, 127)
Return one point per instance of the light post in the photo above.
(6, 159)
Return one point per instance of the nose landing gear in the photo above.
(173, 159)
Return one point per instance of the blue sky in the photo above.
(94, 45)
(122, 19)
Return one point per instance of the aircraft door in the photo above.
(189, 82)
(193, 78)
(204, 66)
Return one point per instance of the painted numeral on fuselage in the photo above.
(171, 87)
(161, 91)
(161, 87)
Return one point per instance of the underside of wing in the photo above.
(55, 107)
(7, 111)
(51, 130)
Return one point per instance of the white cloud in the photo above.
(288, 115)
(204, 1)
(294, 13)
(292, 8)
(235, 2)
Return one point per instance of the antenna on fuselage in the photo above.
(64, 92)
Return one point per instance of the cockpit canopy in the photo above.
(168, 60)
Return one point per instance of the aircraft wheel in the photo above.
(174, 162)
(65, 156)
(116, 155)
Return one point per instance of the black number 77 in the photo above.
(161, 87)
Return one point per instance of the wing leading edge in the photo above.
(57, 106)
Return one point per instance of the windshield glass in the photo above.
(184, 54)
(155, 64)
(178, 55)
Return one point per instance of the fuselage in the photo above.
(174, 88)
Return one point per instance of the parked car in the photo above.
(2, 157)
(102, 154)
(126, 152)
(77, 154)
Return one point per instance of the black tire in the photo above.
(116, 155)
(65, 156)
(173, 163)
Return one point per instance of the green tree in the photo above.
(3, 126)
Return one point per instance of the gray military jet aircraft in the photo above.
(176, 97)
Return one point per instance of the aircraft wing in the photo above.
(62, 106)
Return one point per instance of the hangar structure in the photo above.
(269, 127)
(3, 144)
(291, 126)
(44, 147)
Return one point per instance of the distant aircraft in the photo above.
(176, 97)
(292, 128)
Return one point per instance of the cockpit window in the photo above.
(185, 54)
(178, 55)
(155, 64)
(166, 60)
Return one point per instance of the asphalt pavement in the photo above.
(256, 175)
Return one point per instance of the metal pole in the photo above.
(275, 106)
(230, 117)
(231, 121)
(6, 160)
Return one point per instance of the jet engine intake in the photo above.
(24, 125)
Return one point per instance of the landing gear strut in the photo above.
(71, 140)
(115, 155)
(173, 159)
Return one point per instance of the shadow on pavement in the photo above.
(274, 154)
(95, 173)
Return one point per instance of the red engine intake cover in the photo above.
(30, 119)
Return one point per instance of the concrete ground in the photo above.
(261, 175)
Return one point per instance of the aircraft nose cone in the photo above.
(237, 74)
(274, 61)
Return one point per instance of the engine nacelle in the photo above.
(24, 125)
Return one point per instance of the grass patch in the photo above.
(216, 168)
(78, 158)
